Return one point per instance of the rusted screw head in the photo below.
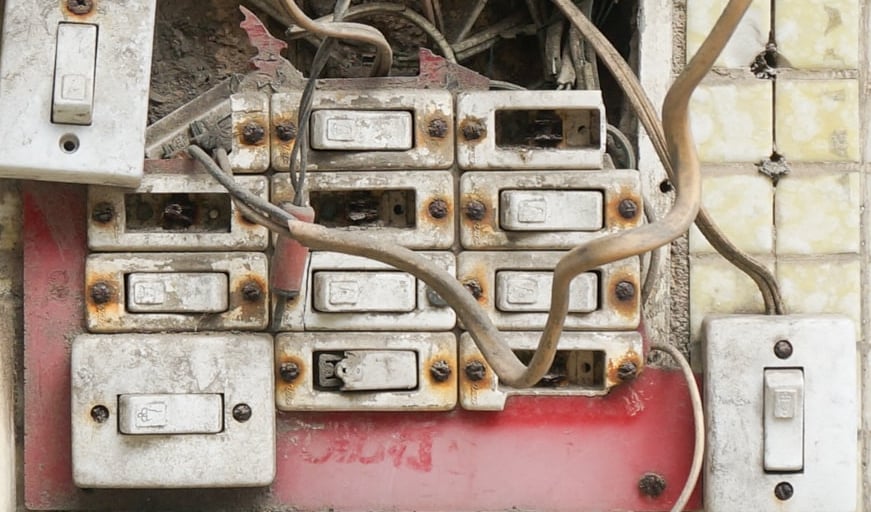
(651, 484)
(242, 413)
(286, 131)
(289, 371)
(474, 129)
(252, 291)
(252, 133)
(628, 209)
(434, 298)
(438, 209)
(437, 128)
(625, 291)
(475, 370)
(103, 213)
(783, 491)
(440, 371)
(783, 349)
(627, 371)
(101, 293)
(474, 288)
(80, 6)
(100, 413)
(475, 210)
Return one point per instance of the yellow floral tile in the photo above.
(817, 120)
(717, 287)
(743, 207)
(818, 34)
(748, 40)
(731, 122)
(822, 286)
(818, 214)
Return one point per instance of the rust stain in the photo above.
(473, 130)
(424, 217)
(469, 387)
(239, 127)
(479, 274)
(71, 16)
(625, 308)
(110, 310)
(613, 219)
(277, 120)
(631, 356)
(287, 389)
(250, 311)
(436, 144)
(447, 357)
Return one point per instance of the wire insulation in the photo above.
(698, 424)
(347, 31)
(647, 116)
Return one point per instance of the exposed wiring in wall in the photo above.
(384, 8)
(646, 113)
(698, 424)
(349, 31)
(588, 256)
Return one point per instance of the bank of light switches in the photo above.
(75, 90)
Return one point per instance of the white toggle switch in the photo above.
(375, 370)
(360, 130)
(177, 292)
(171, 413)
(783, 424)
(74, 66)
(551, 210)
(346, 292)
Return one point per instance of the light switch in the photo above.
(177, 292)
(551, 210)
(361, 130)
(74, 68)
(374, 370)
(772, 382)
(783, 423)
(346, 292)
(530, 292)
(171, 413)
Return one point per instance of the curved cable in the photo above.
(646, 113)
(600, 251)
(698, 424)
(368, 9)
(348, 31)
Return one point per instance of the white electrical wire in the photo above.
(698, 423)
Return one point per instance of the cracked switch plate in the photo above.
(817, 380)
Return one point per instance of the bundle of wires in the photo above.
(675, 146)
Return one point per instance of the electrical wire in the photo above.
(646, 113)
(698, 424)
(300, 148)
(597, 252)
(348, 31)
(373, 8)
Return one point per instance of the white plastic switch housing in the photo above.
(172, 410)
(782, 412)
(74, 88)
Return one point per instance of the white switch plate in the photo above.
(110, 149)
(238, 367)
(737, 349)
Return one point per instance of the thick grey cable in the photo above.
(347, 31)
(698, 424)
(643, 107)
